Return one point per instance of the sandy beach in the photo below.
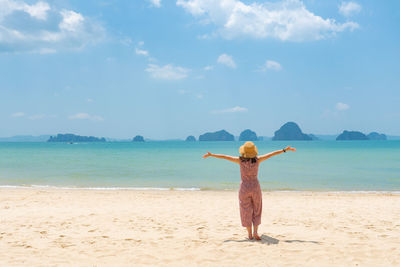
(55, 227)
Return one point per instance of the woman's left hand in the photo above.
(290, 148)
(207, 155)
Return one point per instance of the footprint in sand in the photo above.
(66, 245)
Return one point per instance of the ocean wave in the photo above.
(100, 188)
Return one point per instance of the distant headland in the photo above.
(75, 138)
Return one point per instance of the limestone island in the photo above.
(217, 136)
(72, 138)
(351, 135)
(190, 138)
(138, 138)
(290, 131)
(376, 136)
(248, 135)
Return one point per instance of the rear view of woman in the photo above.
(250, 197)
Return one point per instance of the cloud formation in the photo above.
(141, 52)
(342, 106)
(271, 65)
(226, 60)
(155, 3)
(85, 116)
(348, 9)
(230, 110)
(286, 20)
(41, 28)
(167, 72)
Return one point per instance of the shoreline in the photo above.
(156, 189)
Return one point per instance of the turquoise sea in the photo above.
(317, 165)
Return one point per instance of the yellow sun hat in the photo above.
(248, 150)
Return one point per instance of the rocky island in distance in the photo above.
(190, 138)
(376, 136)
(72, 138)
(351, 135)
(290, 131)
(248, 135)
(138, 138)
(217, 136)
(356, 135)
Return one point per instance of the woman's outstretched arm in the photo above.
(274, 153)
(218, 156)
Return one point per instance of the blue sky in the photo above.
(172, 68)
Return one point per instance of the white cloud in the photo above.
(155, 3)
(349, 8)
(271, 65)
(85, 116)
(230, 110)
(199, 96)
(226, 60)
(18, 114)
(89, 100)
(38, 10)
(46, 30)
(286, 20)
(342, 106)
(207, 68)
(167, 72)
(72, 21)
(141, 52)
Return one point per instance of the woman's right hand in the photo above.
(289, 148)
(207, 155)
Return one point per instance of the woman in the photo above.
(250, 198)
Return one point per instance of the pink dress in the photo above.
(250, 198)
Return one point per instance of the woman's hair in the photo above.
(253, 160)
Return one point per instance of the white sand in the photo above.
(175, 228)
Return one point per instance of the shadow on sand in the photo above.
(268, 240)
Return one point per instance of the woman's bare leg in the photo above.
(249, 232)
(255, 233)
